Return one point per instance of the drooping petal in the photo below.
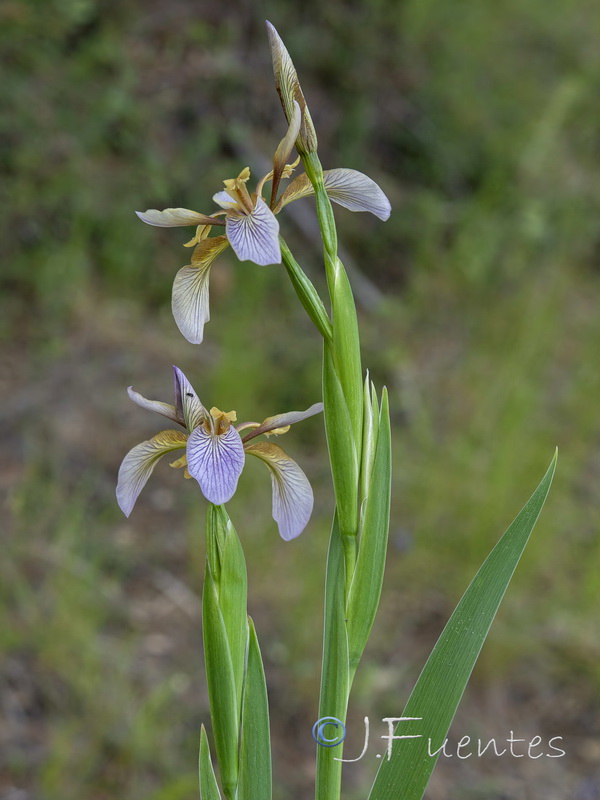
(347, 187)
(216, 462)
(189, 301)
(292, 495)
(188, 405)
(271, 424)
(284, 149)
(255, 236)
(166, 409)
(139, 464)
(175, 217)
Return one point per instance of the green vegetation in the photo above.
(479, 308)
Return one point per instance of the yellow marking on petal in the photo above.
(181, 462)
(202, 232)
(278, 431)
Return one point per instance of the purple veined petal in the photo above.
(139, 464)
(188, 405)
(166, 409)
(292, 494)
(189, 301)
(356, 192)
(255, 236)
(175, 217)
(283, 421)
(216, 462)
(347, 187)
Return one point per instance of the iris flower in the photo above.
(251, 227)
(215, 454)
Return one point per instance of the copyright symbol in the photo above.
(320, 735)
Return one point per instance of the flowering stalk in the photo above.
(358, 438)
(234, 672)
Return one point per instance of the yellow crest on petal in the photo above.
(278, 431)
(202, 232)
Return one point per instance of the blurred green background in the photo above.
(479, 306)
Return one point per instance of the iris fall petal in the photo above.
(283, 421)
(292, 493)
(216, 462)
(189, 302)
(139, 464)
(346, 187)
(255, 237)
(175, 217)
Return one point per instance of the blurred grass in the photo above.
(481, 121)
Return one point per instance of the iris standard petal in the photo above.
(216, 462)
(284, 149)
(175, 217)
(292, 494)
(347, 187)
(189, 407)
(139, 464)
(255, 236)
(166, 409)
(283, 421)
(189, 301)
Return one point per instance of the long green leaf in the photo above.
(365, 589)
(255, 743)
(308, 295)
(209, 789)
(233, 591)
(221, 685)
(442, 683)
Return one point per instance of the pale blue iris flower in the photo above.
(215, 453)
(251, 227)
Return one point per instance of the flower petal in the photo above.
(216, 462)
(283, 420)
(292, 495)
(225, 200)
(166, 409)
(139, 464)
(189, 301)
(347, 187)
(284, 149)
(175, 217)
(255, 236)
(189, 406)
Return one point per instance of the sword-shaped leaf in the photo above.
(438, 691)
(255, 742)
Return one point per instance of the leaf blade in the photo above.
(209, 789)
(255, 779)
(444, 677)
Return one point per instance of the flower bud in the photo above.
(289, 90)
